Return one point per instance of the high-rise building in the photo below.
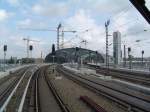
(117, 47)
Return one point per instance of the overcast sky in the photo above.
(79, 15)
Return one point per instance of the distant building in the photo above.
(117, 47)
(31, 60)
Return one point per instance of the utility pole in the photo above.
(41, 57)
(107, 50)
(124, 56)
(27, 47)
(62, 39)
(58, 30)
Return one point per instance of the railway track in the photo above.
(9, 83)
(14, 95)
(130, 102)
(36, 94)
(64, 108)
(43, 95)
(4, 79)
(139, 78)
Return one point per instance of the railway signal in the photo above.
(75, 54)
(129, 55)
(53, 49)
(107, 43)
(53, 55)
(28, 47)
(5, 49)
(77, 57)
(142, 56)
(96, 57)
(124, 58)
(31, 48)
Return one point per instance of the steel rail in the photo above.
(56, 95)
(10, 87)
(25, 92)
(142, 78)
(110, 93)
(2, 109)
(36, 97)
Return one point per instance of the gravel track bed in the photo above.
(48, 102)
(5, 78)
(71, 91)
(5, 85)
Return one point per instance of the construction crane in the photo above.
(77, 37)
(60, 32)
(63, 31)
(28, 41)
